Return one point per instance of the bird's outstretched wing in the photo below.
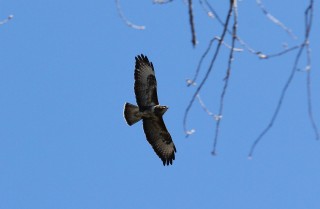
(160, 139)
(145, 85)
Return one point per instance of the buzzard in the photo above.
(149, 110)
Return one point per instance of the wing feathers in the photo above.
(145, 88)
(160, 139)
(145, 85)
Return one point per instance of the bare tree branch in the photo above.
(242, 42)
(212, 11)
(207, 10)
(264, 56)
(192, 81)
(204, 106)
(162, 1)
(191, 21)
(246, 46)
(276, 112)
(6, 20)
(208, 71)
(227, 78)
(308, 24)
(275, 20)
(308, 18)
(125, 20)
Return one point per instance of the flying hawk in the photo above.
(149, 110)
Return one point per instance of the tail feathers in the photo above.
(131, 113)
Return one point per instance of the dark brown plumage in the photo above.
(149, 110)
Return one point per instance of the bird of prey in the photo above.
(149, 110)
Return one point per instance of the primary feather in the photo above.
(149, 110)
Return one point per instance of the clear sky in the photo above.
(67, 69)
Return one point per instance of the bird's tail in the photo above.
(131, 113)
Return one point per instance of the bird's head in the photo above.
(160, 110)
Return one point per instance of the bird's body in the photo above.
(133, 113)
(150, 111)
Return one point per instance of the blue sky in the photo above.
(67, 69)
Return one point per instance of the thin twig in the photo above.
(6, 20)
(192, 82)
(308, 19)
(205, 8)
(310, 111)
(227, 78)
(125, 20)
(242, 42)
(162, 1)
(260, 54)
(308, 24)
(275, 20)
(191, 20)
(264, 56)
(229, 47)
(208, 71)
(215, 14)
(204, 106)
(276, 112)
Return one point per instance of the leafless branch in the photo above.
(162, 1)
(308, 24)
(308, 21)
(191, 21)
(206, 9)
(217, 50)
(192, 82)
(212, 11)
(276, 112)
(215, 14)
(275, 20)
(227, 77)
(264, 56)
(125, 20)
(6, 20)
(245, 45)
(204, 107)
